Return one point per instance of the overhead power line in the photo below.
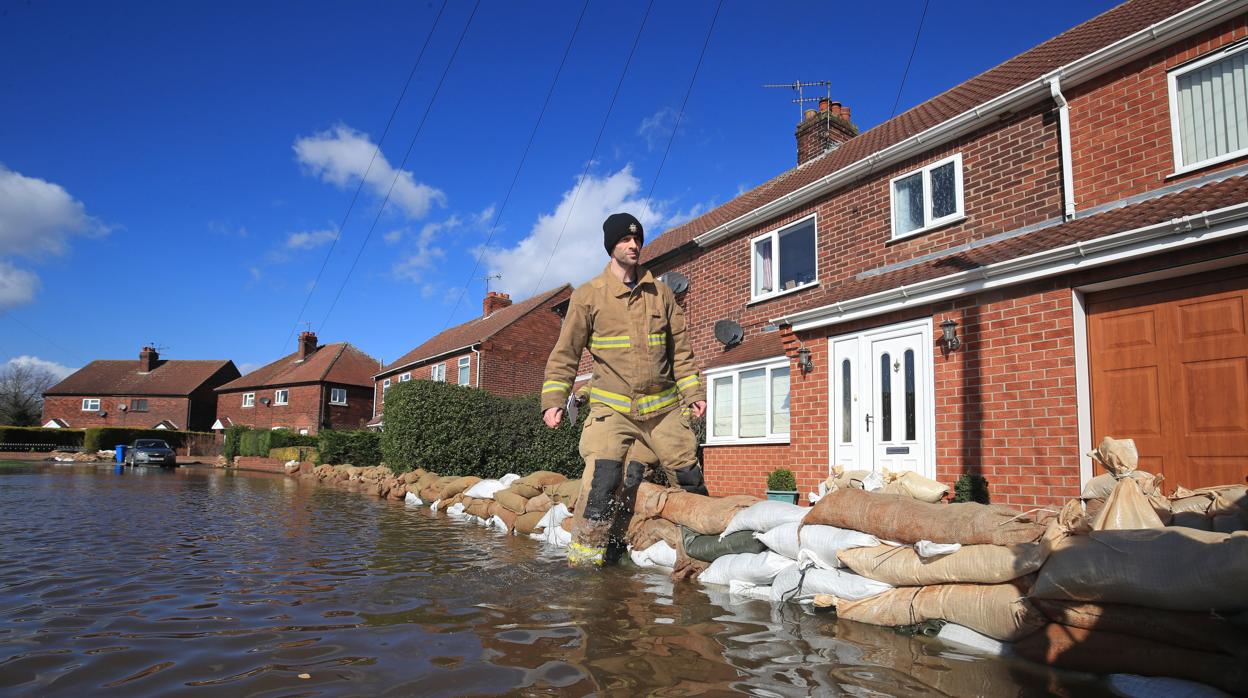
(917, 33)
(338, 233)
(523, 157)
(42, 336)
(399, 170)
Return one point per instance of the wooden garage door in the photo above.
(1169, 368)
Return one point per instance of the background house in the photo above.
(314, 388)
(149, 393)
(503, 351)
(1048, 253)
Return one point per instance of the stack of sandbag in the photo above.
(565, 492)
(1223, 509)
(1120, 459)
(913, 485)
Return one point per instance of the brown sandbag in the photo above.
(431, 492)
(457, 486)
(1192, 519)
(914, 486)
(973, 564)
(566, 524)
(644, 532)
(899, 518)
(701, 513)
(1000, 611)
(1126, 508)
(1176, 568)
(451, 501)
(1228, 523)
(1205, 632)
(1105, 652)
(424, 482)
(509, 517)
(531, 485)
(511, 499)
(412, 477)
(479, 508)
(541, 502)
(564, 493)
(1235, 496)
(526, 523)
(1118, 456)
(842, 479)
(650, 500)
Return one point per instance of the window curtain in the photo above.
(763, 267)
(753, 410)
(780, 400)
(721, 388)
(1213, 110)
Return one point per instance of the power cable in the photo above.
(510, 188)
(40, 335)
(588, 163)
(337, 234)
(399, 170)
(918, 32)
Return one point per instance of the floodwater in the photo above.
(203, 582)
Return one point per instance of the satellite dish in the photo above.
(122, 407)
(676, 281)
(101, 414)
(728, 332)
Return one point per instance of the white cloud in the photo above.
(341, 157)
(425, 251)
(657, 128)
(393, 236)
(580, 255)
(17, 286)
(58, 370)
(485, 217)
(255, 273)
(310, 239)
(227, 229)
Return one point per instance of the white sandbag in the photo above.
(661, 554)
(496, 522)
(412, 499)
(456, 510)
(485, 489)
(781, 540)
(434, 506)
(755, 568)
(763, 517)
(794, 584)
(549, 529)
(963, 637)
(508, 479)
(926, 548)
(1135, 686)
(553, 517)
(744, 591)
(822, 542)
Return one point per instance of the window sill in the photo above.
(1204, 164)
(748, 442)
(338, 404)
(785, 292)
(928, 229)
(280, 404)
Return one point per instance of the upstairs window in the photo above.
(249, 399)
(783, 260)
(338, 396)
(403, 378)
(1209, 109)
(464, 362)
(437, 372)
(385, 385)
(281, 396)
(90, 404)
(927, 198)
(138, 405)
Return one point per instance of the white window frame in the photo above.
(249, 399)
(735, 372)
(385, 385)
(929, 223)
(463, 370)
(281, 396)
(774, 236)
(1172, 81)
(437, 372)
(86, 401)
(405, 377)
(334, 392)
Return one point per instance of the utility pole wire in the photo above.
(337, 234)
(399, 170)
(515, 177)
(40, 335)
(918, 32)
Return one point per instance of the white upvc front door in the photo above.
(882, 409)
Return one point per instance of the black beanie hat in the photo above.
(617, 226)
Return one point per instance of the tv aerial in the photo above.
(800, 87)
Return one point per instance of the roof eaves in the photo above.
(426, 359)
(329, 366)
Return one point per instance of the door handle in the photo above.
(868, 419)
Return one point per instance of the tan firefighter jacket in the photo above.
(643, 366)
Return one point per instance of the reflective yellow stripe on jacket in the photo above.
(656, 339)
(617, 342)
(617, 402)
(645, 405)
(688, 382)
(555, 387)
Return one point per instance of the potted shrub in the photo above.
(782, 486)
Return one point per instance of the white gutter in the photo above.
(1152, 239)
(1188, 22)
(424, 360)
(478, 353)
(1063, 127)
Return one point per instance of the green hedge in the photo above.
(101, 438)
(299, 453)
(455, 430)
(39, 435)
(244, 441)
(360, 448)
(233, 439)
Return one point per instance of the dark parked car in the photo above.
(150, 452)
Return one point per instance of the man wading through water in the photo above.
(644, 388)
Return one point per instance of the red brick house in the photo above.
(314, 388)
(1048, 253)
(151, 393)
(503, 351)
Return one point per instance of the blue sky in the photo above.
(177, 172)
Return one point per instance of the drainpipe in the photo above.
(478, 353)
(320, 410)
(1063, 121)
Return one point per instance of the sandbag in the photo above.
(1194, 630)
(764, 516)
(505, 515)
(1105, 652)
(485, 489)
(457, 486)
(412, 499)
(548, 528)
(1000, 611)
(973, 564)
(1180, 569)
(658, 554)
(1102, 485)
(795, 584)
(904, 520)
(413, 476)
(541, 502)
(508, 479)
(1118, 456)
(511, 499)
(566, 524)
(711, 548)
(643, 532)
(531, 485)
(914, 486)
(1126, 508)
(526, 523)
(564, 492)
(452, 501)
(842, 479)
(755, 568)
(1228, 523)
(479, 508)
(425, 480)
(1192, 519)
(821, 542)
(701, 513)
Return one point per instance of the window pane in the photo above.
(886, 398)
(780, 400)
(797, 256)
(463, 372)
(911, 425)
(846, 406)
(763, 267)
(1213, 120)
(908, 203)
(944, 196)
(752, 417)
(721, 388)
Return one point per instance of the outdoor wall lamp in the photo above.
(949, 335)
(803, 360)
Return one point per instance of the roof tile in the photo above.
(122, 377)
(331, 363)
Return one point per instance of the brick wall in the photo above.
(302, 410)
(515, 359)
(69, 408)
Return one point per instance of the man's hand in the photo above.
(554, 416)
(698, 408)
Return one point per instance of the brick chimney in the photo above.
(823, 129)
(148, 359)
(494, 302)
(307, 344)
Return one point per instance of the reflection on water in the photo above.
(149, 582)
